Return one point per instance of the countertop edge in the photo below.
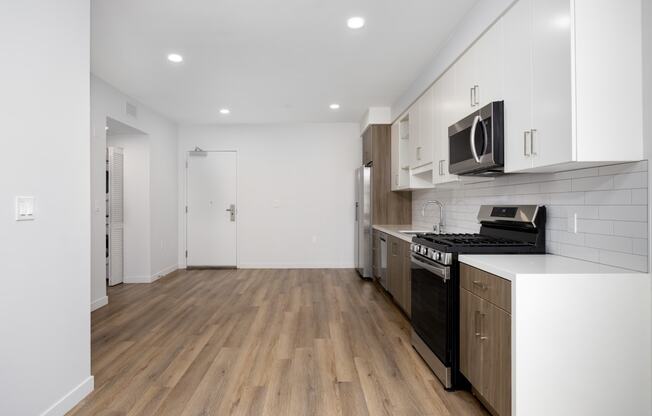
(393, 230)
(479, 262)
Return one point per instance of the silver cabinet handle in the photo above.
(532, 141)
(396, 179)
(525, 140)
(419, 153)
(482, 326)
(441, 169)
(471, 96)
(480, 285)
(476, 89)
(476, 326)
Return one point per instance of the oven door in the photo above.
(432, 306)
(476, 142)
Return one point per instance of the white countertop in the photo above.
(394, 230)
(510, 266)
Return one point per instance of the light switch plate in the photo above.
(25, 208)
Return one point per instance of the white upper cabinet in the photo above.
(479, 73)
(518, 86)
(395, 156)
(443, 94)
(426, 120)
(490, 64)
(573, 89)
(413, 139)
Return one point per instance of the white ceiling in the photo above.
(267, 60)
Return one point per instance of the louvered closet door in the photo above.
(116, 213)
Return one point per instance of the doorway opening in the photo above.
(127, 202)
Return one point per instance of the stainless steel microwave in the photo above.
(476, 142)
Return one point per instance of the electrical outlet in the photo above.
(25, 208)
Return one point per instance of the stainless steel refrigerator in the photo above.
(363, 256)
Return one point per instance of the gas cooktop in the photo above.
(505, 230)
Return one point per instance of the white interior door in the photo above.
(115, 208)
(211, 209)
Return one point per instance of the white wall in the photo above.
(106, 101)
(45, 325)
(308, 169)
(137, 259)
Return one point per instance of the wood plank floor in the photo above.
(259, 342)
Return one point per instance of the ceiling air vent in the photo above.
(132, 110)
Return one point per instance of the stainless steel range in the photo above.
(518, 229)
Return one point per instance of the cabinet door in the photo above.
(496, 384)
(465, 79)
(413, 140)
(406, 275)
(489, 55)
(395, 156)
(426, 128)
(551, 83)
(470, 348)
(444, 97)
(366, 146)
(518, 86)
(394, 269)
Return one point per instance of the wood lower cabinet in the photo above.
(399, 272)
(485, 339)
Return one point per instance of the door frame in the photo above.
(237, 192)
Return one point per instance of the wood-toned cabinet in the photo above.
(367, 143)
(387, 207)
(485, 337)
(399, 273)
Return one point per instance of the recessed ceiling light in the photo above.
(355, 22)
(334, 106)
(225, 111)
(175, 58)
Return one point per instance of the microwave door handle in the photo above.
(476, 120)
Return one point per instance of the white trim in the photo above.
(98, 303)
(70, 400)
(163, 273)
(152, 278)
(137, 279)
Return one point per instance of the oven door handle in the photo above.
(477, 119)
(443, 272)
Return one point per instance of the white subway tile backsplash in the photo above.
(624, 212)
(639, 246)
(595, 183)
(630, 229)
(595, 226)
(619, 197)
(630, 180)
(639, 197)
(610, 242)
(610, 203)
(627, 261)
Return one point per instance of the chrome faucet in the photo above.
(438, 228)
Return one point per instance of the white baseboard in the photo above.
(137, 279)
(152, 278)
(98, 303)
(163, 272)
(70, 400)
